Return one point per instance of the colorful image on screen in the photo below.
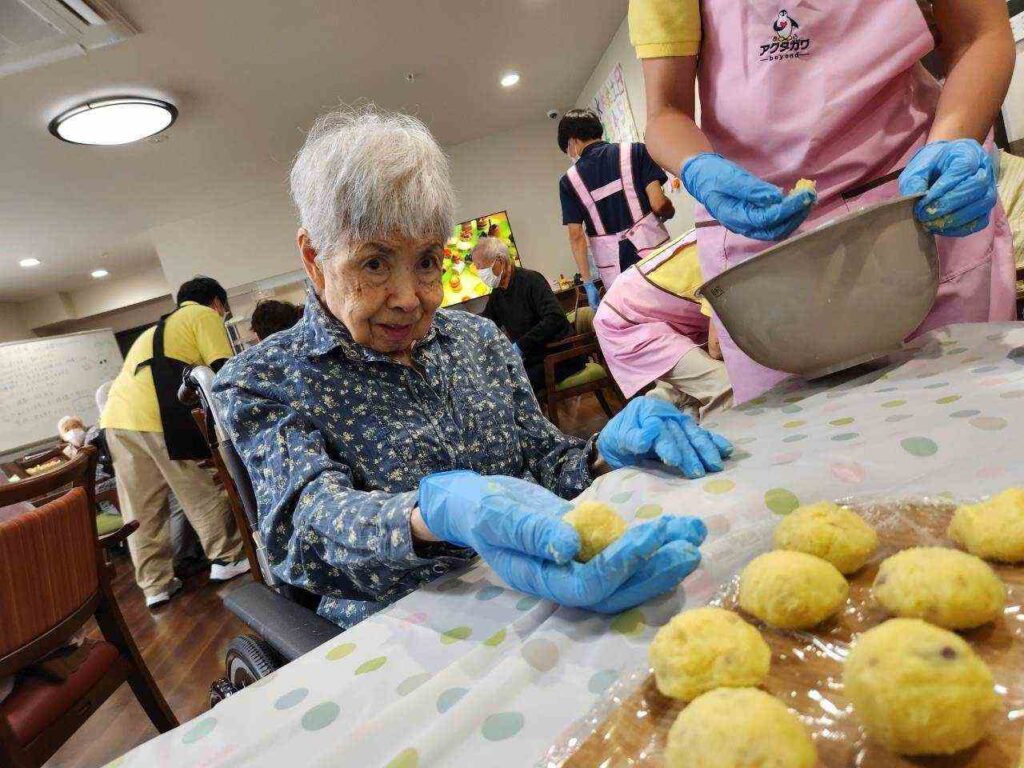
(461, 282)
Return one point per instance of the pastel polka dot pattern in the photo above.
(937, 385)
(501, 726)
(372, 665)
(966, 414)
(320, 716)
(919, 446)
(718, 486)
(600, 681)
(541, 654)
(985, 369)
(843, 437)
(848, 472)
(199, 731)
(988, 423)
(894, 403)
(411, 683)
(455, 634)
(947, 400)
(489, 592)
(629, 623)
(896, 418)
(496, 639)
(527, 603)
(792, 409)
(407, 758)
(1013, 394)
(842, 422)
(647, 511)
(794, 438)
(292, 698)
(622, 498)
(449, 698)
(794, 424)
(340, 651)
(781, 501)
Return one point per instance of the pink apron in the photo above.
(646, 233)
(644, 329)
(832, 91)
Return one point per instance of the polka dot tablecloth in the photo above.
(468, 672)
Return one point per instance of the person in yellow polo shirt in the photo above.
(155, 445)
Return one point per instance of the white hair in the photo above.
(367, 174)
(491, 247)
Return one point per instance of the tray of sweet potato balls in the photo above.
(873, 635)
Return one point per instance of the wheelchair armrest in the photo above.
(290, 629)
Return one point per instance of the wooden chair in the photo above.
(52, 581)
(594, 377)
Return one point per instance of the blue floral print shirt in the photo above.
(336, 438)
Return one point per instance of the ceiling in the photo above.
(248, 79)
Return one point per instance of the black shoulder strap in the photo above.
(158, 343)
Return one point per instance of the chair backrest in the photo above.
(49, 563)
(199, 380)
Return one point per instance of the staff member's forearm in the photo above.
(672, 135)
(978, 49)
(578, 244)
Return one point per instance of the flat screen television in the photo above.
(461, 282)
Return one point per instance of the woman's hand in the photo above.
(651, 429)
(959, 185)
(714, 345)
(741, 202)
(516, 527)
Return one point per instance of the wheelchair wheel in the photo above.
(220, 690)
(247, 660)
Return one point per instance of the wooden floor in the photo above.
(183, 642)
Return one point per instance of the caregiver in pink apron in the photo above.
(832, 90)
(652, 330)
(611, 198)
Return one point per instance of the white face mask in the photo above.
(488, 277)
(76, 437)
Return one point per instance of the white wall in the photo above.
(111, 294)
(12, 323)
(146, 313)
(518, 171)
(620, 51)
(235, 245)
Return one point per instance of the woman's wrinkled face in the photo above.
(385, 293)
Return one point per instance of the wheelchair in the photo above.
(282, 617)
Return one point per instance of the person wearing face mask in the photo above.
(389, 441)
(524, 306)
(156, 446)
(71, 431)
(612, 200)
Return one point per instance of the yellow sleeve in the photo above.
(211, 336)
(661, 28)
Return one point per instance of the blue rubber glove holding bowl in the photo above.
(958, 183)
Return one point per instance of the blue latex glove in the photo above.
(959, 185)
(593, 298)
(652, 429)
(515, 346)
(741, 202)
(516, 527)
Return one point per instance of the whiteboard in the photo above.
(42, 380)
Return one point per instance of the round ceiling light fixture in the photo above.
(509, 79)
(98, 274)
(29, 263)
(108, 122)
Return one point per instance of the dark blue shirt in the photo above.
(336, 438)
(599, 165)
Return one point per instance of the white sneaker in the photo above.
(159, 599)
(220, 572)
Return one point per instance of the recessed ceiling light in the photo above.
(27, 263)
(113, 121)
(98, 273)
(509, 79)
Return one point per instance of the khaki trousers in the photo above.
(697, 384)
(145, 474)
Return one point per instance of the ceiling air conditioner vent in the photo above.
(37, 32)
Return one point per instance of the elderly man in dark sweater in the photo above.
(523, 305)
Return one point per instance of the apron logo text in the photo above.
(786, 43)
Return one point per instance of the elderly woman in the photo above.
(389, 442)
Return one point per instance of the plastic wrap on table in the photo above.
(628, 727)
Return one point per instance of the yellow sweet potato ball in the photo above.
(791, 590)
(598, 526)
(943, 586)
(919, 689)
(738, 728)
(993, 529)
(707, 648)
(830, 532)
